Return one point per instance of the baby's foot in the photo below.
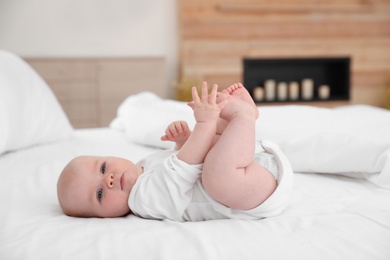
(238, 90)
(236, 106)
(221, 96)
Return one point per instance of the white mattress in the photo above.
(329, 217)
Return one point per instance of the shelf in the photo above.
(334, 72)
(297, 8)
(325, 104)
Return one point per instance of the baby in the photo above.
(215, 172)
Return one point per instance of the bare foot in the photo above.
(236, 106)
(238, 90)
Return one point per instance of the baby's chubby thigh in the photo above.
(239, 188)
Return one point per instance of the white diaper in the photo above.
(273, 159)
(266, 160)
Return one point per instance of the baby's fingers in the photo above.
(213, 94)
(184, 125)
(205, 92)
(165, 138)
(178, 127)
(195, 96)
(191, 105)
(173, 130)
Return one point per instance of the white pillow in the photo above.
(30, 113)
(145, 116)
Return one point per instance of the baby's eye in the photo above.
(99, 194)
(103, 168)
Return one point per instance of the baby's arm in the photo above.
(206, 113)
(177, 132)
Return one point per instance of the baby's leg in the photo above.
(230, 175)
(221, 123)
(239, 91)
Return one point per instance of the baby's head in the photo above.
(93, 186)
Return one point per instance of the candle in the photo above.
(293, 90)
(324, 92)
(307, 89)
(270, 87)
(258, 93)
(282, 91)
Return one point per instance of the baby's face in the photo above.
(93, 186)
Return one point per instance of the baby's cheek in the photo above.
(120, 201)
(116, 206)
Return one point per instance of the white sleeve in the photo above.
(167, 192)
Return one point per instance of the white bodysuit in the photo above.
(172, 189)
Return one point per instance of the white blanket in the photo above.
(329, 216)
(350, 140)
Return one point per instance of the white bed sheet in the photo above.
(330, 216)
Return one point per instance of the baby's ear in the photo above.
(191, 105)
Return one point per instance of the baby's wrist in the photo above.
(208, 121)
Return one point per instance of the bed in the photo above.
(339, 208)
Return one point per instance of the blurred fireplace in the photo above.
(330, 79)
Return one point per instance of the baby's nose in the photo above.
(110, 180)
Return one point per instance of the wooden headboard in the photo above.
(91, 89)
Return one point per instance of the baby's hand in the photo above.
(206, 108)
(177, 132)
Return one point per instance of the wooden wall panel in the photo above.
(119, 78)
(215, 36)
(91, 89)
(73, 81)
